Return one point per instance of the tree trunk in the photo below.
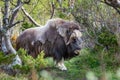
(0, 43)
(6, 34)
(5, 28)
(8, 43)
(0, 38)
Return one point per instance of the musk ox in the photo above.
(60, 39)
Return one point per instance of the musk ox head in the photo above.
(71, 34)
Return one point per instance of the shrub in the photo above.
(26, 25)
(29, 62)
(6, 59)
(107, 38)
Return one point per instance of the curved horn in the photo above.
(76, 33)
(70, 39)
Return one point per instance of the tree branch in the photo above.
(16, 8)
(117, 9)
(52, 10)
(26, 1)
(15, 11)
(15, 23)
(29, 17)
(115, 5)
(37, 3)
(6, 42)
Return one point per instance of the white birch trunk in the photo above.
(6, 35)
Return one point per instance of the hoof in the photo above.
(61, 67)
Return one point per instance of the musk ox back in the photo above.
(59, 39)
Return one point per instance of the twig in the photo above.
(112, 5)
(15, 11)
(26, 1)
(29, 17)
(18, 7)
(34, 7)
(52, 10)
(15, 23)
(117, 9)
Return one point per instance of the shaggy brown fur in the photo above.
(52, 38)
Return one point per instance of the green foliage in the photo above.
(86, 3)
(86, 65)
(26, 25)
(78, 66)
(30, 63)
(92, 61)
(61, 15)
(107, 38)
(4, 76)
(6, 59)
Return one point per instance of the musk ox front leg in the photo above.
(59, 60)
(59, 51)
(61, 65)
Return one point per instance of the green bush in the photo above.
(4, 76)
(26, 25)
(6, 59)
(31, 63)
(107, 38)
(97, 62)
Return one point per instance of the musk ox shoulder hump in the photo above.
(55, 22)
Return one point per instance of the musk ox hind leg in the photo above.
(60, 65)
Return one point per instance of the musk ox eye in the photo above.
(68, 32)
(74, 40)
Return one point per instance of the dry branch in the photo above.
(113, 3)
(15, 11)
(29, 17)
(52, 10)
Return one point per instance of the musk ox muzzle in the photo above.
(59, 39)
